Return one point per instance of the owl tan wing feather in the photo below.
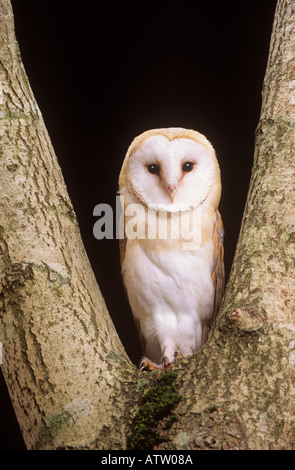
(217, 274)
(218, 264)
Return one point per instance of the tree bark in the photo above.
(64, 365)
(239, 390)
(70, 380)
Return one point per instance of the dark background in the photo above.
(103, 72)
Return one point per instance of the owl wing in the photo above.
(218, 264)
(217, 273)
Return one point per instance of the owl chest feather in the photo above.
(162, 279)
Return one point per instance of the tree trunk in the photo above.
(239, 390)
(64, 365)
(70, 380)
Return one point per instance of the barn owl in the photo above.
(174, 279)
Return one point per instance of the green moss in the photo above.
(140, 383)
(157, 404)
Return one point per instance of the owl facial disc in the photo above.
(171, 175)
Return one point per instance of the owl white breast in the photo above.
(172, 252)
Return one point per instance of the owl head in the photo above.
(171, 170)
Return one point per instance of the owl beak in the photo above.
(171, 189)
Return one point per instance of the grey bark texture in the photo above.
(70, 380)
(62, 359)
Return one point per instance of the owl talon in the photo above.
(146, 364)
(166, 363)
(177, 355)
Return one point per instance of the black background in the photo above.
(103, 72)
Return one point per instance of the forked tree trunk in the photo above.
(70, 381)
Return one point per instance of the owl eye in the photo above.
(188, 166)
(154, 169)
